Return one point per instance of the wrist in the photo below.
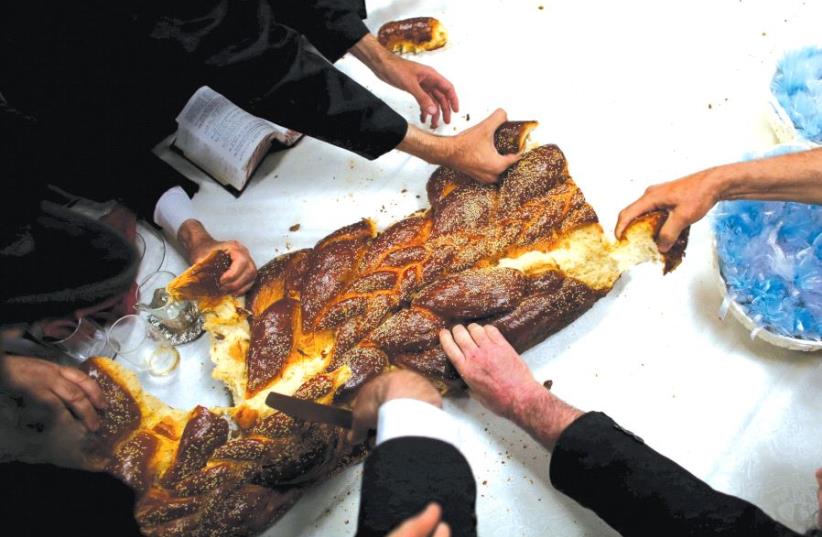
(369, 51)
(721, 182)
(433, 149)
(543, 415)
(193, 237)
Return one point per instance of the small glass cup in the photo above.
(136, 343)
(153, 252)
(85, 340)
(140, 246)
(177, 321)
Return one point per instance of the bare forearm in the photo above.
(369, 51)
(192, 236)
(793, 177)
(544, 416)
(429, 147)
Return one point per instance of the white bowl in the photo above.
(757, 332)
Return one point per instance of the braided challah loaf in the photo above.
(526, 255)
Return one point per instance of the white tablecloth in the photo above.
(635, 92)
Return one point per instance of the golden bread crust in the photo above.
(526, 255)
(414, 35)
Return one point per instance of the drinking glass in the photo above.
(133, 341)
(84, 339)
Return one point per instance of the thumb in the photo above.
(496, 119)
(510, 160)
(670, 231)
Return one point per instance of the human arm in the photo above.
(502, 382)
(197, 243)
(472, 151)
(435, 95)
(284, 82)
(335, 27)
(49, 391)
(792, 177)
(637, 491)
(414, 464)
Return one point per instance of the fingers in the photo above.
(435, 119)
(76, 401)
(670, 231)
(364, 409)
(358, 432)
(509, 160)
(427, 105)
(443, 530)
(451, 94)
(464, 340)
(496, 336)
(641, 206)
(452, 350)
(445, 106)
(420, 525)
(478, 335)
(496, 119)
(242, 272)
(87, 384)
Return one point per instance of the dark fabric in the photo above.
(40, 500)
(640, 493)
(105, 80)
(59, 262)
(402, 475)
(333, 26)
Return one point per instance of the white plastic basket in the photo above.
(756, 331)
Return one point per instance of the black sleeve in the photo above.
(333, 26)
(29, 162)
(640, 493)
(140, 186)
(402, 475)
(242, 52)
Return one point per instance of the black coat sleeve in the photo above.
(244, 52)
(402, 475)
(333, 26)
(640, 493)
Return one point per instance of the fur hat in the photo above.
(57, 261)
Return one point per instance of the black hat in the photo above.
(56, 261)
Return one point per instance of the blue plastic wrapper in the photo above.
(770, 255)
(797, 85)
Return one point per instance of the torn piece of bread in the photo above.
(202, 279)
(586, 255)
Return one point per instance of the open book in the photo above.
(224, 140)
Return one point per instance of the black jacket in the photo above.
(103, 82)
(596, 462)
(403, 475)
(641, 493)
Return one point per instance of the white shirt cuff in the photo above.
(173, 208)
(410, 417)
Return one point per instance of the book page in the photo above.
(223, 139)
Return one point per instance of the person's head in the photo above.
(58, 264)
